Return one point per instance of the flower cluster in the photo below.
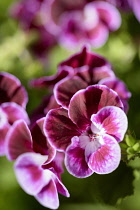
(78, 126)
(59, 22)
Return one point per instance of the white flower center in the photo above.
(92, 140)
(3, 118)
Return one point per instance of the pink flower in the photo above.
(38, 167)
(97, 18)
(13, 100)
(89, 131)
(78, 72)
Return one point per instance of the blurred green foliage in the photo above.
(123, 51)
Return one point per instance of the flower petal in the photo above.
(66, 88)
(118, 86)
(98, 36)
(61, 188)
(75, 160)
(14, 112)
(85, 57)
(113, 120)
(40, 142)
(50, 80)
(59, 129)
(107, 158)
(86, 102)
(92, 76)
(18, 140)
(48, 196)
(3, 133)
(11, 90)
(29, 173)
(108, 14)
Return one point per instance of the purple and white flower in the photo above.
(89, 131)
(85, 59)
(98, 19)
(38, 167)
(13, 100)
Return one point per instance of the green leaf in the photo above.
(130, 141)
(105, 189)
(116, 185)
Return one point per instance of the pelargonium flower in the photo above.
(38, 167)
(85, 59)
(77, 72)
(11, 90)
(98, 19)
(9, 113)
(67, 87)
(89, 131)
(95, 71)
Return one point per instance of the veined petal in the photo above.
(92, 76)
(113, 120)
(40, 142)
(48, 196)
(50, 80)
(29, 173)
(61, 188)
(66, 88)
(3, 134)
(118, 86)
(11, 90)
(75, 160)
(18, 140)
(85, 57)
(59, 129)
(108, 14)
(86, 102)
(107, 158)
(14, 112)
